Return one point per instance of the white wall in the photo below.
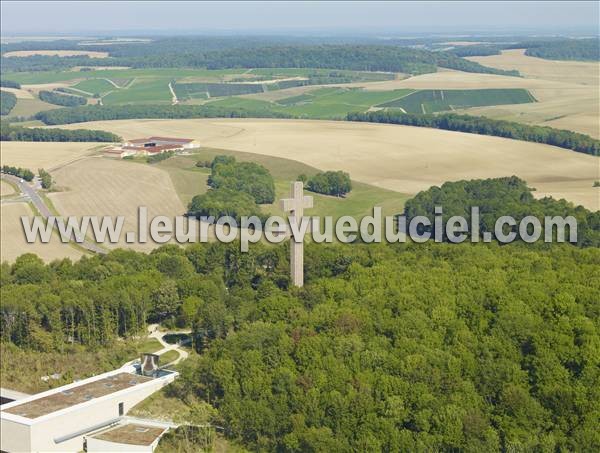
(39, 434)
(78, 418)
(15, 436)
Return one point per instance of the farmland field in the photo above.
(48, 155)
(99, 186)
(6, 189)
(140, 91)
(400, 158)
(14, 243)
(95, 86)
(190, 180)
(567, 92)
(59, 53)
(28, 107)
(432, 101)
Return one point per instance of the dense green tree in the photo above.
(336, 183)
(247, 177)
(67, 100)
(7, 102)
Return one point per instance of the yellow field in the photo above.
(14, 243)
(48, 155)
(401, 158)
(568, 92)
(60, 53)
(19, 93)
(6, 189)
(101, 186)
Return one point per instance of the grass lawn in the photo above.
(190, 180)
(168, 357)
(149, 345)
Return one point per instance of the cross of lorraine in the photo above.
(295, 206)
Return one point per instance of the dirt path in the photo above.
(112, 83)
(174, 100)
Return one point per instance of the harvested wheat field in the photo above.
(14, 243)
(59, 53)
(99, 186)
(6, 189)
(19, 93)
(568, 92)
(401, 158)
(48, 155)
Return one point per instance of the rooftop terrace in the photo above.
(131, 433)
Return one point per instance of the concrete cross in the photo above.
(295, 206)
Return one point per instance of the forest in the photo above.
(123, 112)
(11, 132)
(486, 126)
(7, 102)
(260, 54)
(9, 84)
(66, 100)
(568, 49)
(237, 189)
(401, 347)
(248, 177)
(497, 197)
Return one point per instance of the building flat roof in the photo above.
(76, 395)
(131, 433)
(161, 139)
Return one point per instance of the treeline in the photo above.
(497, 197)
(7, 102)
(265, 54)
(19, 172)
(121, 112)
(568, 49)
(67, 100)
(9, 84)
(10, 132)
(387, 347)
(486, 126)
(335, 183)
(354, 57)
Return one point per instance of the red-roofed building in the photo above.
(149, 146)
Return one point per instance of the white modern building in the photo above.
(91, 410)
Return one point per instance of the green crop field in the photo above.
(140, 91)
(431, 101)
(94, 86)
(185, 91)
(320, 103)
(38, 77)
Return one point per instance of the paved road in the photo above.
(40, 205)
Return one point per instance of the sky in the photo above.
(338, 17)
